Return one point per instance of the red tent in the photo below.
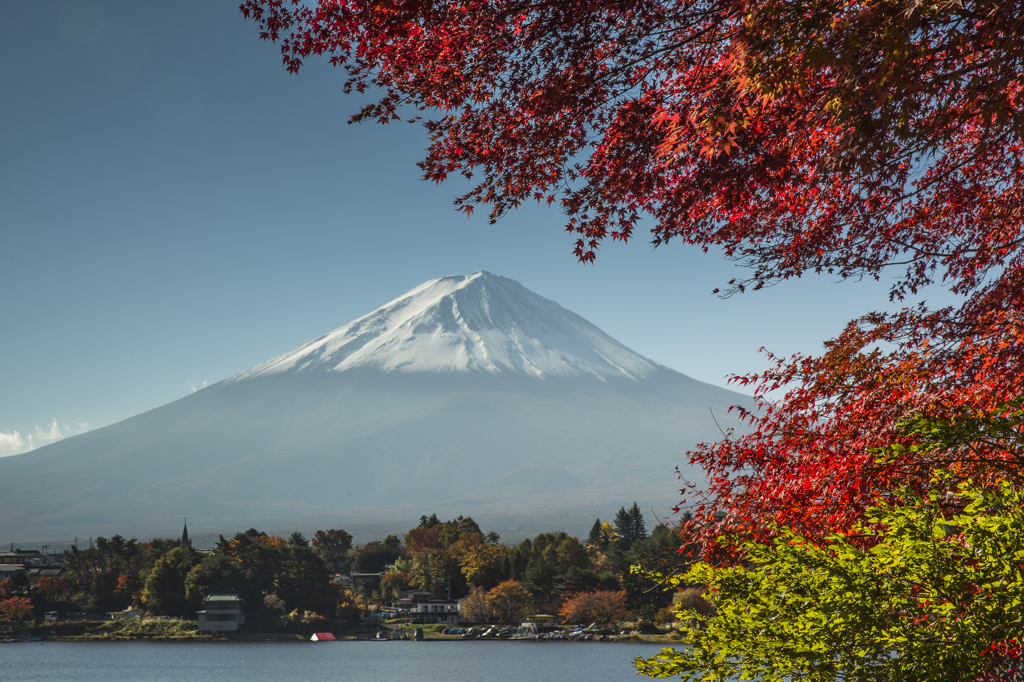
(322, 637)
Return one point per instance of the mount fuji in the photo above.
(467, 395)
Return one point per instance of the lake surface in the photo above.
(316, 662)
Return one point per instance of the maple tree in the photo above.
(507, 602)
(926, 585)
(14, 610)
(51, 587)
(842, 137)
(600, 606)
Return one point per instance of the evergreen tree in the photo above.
(303, 581)
(624, 529)
(639, 528)
(594, 544)
(466, 525)
(539, 579)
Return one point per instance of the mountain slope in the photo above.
(480, 323)
(466, 395)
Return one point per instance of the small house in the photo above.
(127, 614)
(445, 611)
(221, 613)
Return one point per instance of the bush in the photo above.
(692, 598)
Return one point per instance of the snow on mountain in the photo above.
(482, 323)
(467, 395)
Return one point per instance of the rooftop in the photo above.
(224, 597)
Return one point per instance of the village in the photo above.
(440, 580)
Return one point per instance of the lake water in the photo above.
(316, 662)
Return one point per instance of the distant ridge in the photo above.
(467, 395)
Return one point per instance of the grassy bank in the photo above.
(173, 629)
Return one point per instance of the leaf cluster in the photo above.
(918, 593)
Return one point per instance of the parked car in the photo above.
(50, 616)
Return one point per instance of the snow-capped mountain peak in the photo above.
(476, 323)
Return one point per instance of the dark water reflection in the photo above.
(309, 662)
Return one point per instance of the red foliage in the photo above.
(421, 539)
(841, 137)
(602, 606)
(838, 137)
(51, 587)
(810, 463)
(15, 609)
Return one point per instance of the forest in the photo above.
(295, 580)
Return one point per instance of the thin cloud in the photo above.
(196, 387)
(13, 443)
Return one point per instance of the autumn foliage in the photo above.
(601, 606)
(856, 139)
(14, 609)
(51, 588)
(507, 602)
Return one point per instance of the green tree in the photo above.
(658, 553)
(215, 574)
(259, 557)
(939, 597)
(429, 522)
(638, 527)
(333, 546)
(595, 539)
(580, 580)
(98, 574)
(540, 579)
(392, 543)
(303, 581)
(629, 526)
(439, 572)
(926, 586)
(373, 557)
(197, 586)
(165, 593)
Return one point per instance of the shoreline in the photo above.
(39, 638)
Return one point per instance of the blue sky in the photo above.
(175, 208)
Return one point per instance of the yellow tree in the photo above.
(476, 606)
(481, 564)
(507, 602)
